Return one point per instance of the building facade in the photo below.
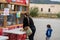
(47, 8)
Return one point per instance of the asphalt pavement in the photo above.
(41, 23)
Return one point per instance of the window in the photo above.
(11, 19)
(1, 6)
(49, 10)
(1, 20)
(18, 8)
(24, 8)
(41, 9)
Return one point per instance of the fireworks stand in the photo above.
(11, 18)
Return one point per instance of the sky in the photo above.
(56, 0)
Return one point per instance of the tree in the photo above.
(58, 15)
(34, 11)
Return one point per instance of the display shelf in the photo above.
(14, 3)
(17, 7)
(2, 1)
(13, 12)
(18, 4)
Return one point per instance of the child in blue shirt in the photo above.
(48, 32)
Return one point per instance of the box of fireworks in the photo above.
(13, 0)
(12, 39)
(19, 27)
(8, 1)
(11, 27)
(18, 1)
(24, 1)
(22, 39)
(12, 36)
(19, 37)
(4, 29)
(21, 1)
(27, 2)
(1, 31)
(9, 35)
(3, 0)
(24, 36)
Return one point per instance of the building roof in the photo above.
(44, 2)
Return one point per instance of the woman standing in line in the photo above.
(27, 21)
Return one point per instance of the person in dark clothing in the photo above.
(48, 32)
(29, 23)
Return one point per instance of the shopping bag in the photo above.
(13, 0)
(28, 30)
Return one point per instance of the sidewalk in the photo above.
(41, 28)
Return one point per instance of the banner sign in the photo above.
(6, 11)
(18, 14)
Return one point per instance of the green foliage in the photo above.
(58, 15)
(34, 11)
